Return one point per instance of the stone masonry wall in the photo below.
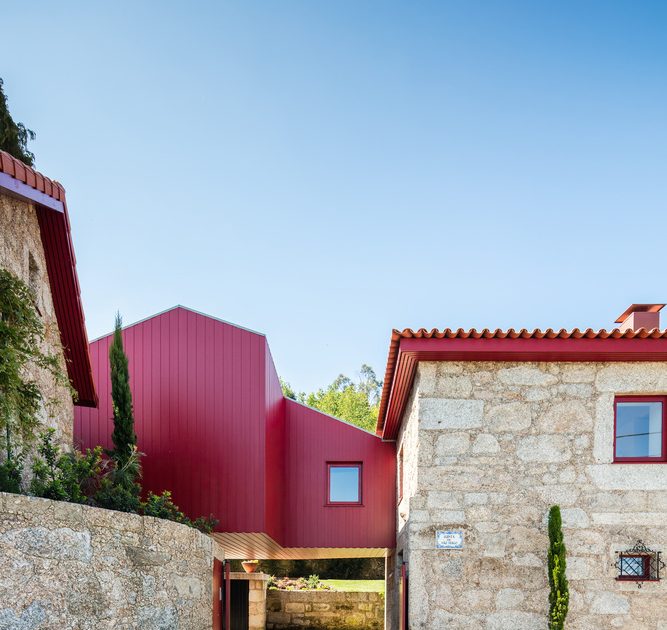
(498, 444)
(66, 566)
(324, 609)
(21, 252)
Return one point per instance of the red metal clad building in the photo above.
(216, 431)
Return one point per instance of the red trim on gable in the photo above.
(21, 181)
(408, 348)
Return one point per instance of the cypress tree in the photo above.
(559, 594)
(14, 136)
(123, 436)
(120, 489)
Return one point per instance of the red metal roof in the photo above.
(503, 345)
(48, 196)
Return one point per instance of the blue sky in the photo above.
(326, 171)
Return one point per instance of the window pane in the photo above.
(639, 429)
(632, 566)
(344, 484)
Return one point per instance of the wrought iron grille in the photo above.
(639, 564)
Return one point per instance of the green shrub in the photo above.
(11, 474)
(119, 489)
(559, 594)
(205, 524)
(313, 581)
(73, 477)
(162, 506)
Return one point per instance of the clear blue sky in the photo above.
(326, 171)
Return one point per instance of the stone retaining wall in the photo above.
(71, 566)
(324, 609)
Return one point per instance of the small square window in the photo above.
(344, 484)
(640, 429)
(633, 567)
(639, 564)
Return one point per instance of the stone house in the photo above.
(494, 427)
(36, 245)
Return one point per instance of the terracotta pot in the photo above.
(250, 567)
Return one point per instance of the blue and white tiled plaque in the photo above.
(449, 539)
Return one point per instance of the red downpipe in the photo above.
(228, 596)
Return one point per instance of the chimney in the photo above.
(640, 316)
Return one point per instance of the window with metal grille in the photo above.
(639, 564)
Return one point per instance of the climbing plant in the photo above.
(22, 337)
(559, 594)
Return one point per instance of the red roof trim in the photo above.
(21, 181)
(408, 347)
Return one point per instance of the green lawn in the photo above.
(364, 586)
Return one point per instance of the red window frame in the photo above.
(327, 490)
(642, 460)
(646, 568)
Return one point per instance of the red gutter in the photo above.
(408, 348)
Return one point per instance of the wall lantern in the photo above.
(638, 564)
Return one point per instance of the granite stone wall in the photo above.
(492, 446)
(21, 252)
(66, 566)
(332, 610)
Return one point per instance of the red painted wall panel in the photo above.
(211, 418)
(197, 387)
(313, 439)
(275, 452)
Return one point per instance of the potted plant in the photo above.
(250, 566)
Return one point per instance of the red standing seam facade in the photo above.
(216, 430)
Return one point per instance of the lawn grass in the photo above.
(356, 586)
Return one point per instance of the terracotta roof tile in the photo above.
(486, 333)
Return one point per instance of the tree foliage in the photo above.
(559, 594)
(14, 136)
(355, 402)
(22, 337)
(120, 490)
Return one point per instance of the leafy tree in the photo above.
(14, 136)
(354, 402)
(22, 335)
(288, 392)
(559, 594)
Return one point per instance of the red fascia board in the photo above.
(20, 181)
(412, 350)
